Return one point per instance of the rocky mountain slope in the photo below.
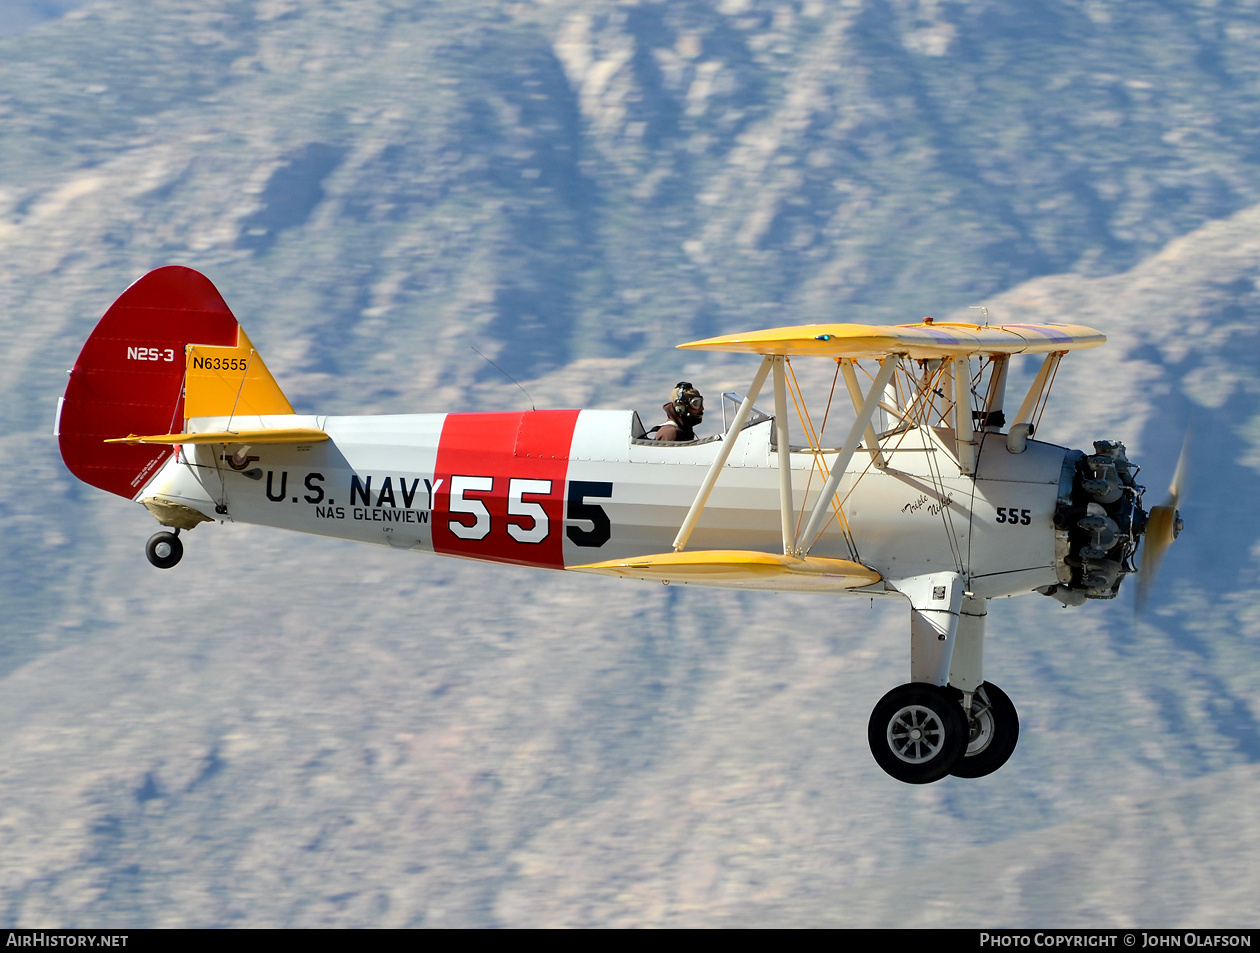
(285, 731)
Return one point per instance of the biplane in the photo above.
(937, 492)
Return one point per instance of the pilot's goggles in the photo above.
(695, 403)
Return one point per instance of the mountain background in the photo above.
(286, 731)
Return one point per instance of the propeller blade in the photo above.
(1176, 487)
(1163, 525)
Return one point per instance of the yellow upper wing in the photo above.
(919, 341)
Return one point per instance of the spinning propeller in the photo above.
(1163, 525)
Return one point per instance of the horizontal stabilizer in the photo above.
(253, 437)
(740, 569)
(919, 341)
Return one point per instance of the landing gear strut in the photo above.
(164, 549)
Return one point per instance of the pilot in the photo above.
(685, 410)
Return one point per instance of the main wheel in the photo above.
(994, 732)
(917, 733)
(164, 550)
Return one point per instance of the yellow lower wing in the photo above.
(740, 569)
(292, 435)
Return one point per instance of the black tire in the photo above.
(917, 732)
(164, 550)
(993, 733)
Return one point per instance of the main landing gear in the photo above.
(948, 720)
(919, 733)
(164, 549)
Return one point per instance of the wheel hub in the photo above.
(915, 734)
(979, 725)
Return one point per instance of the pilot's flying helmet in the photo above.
(688, 401)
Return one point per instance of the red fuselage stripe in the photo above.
(507, 474)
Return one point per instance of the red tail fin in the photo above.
(130, 374)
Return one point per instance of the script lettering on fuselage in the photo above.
(923, 501)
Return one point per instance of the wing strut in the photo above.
(724, 451)
(997, 385)
(963, 426)
(804, 542)
(1029, 405)
(785, 455)
(855, 395)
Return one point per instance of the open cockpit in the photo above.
(730, 407)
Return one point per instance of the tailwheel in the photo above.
(917, 733)
(164, 549)
(994, 731)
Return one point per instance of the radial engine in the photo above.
(1098, 523)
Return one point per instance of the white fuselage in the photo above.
(565, 488)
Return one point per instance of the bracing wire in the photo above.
(889, 450)
(183, 382)
(815, 442)
(1045, 396)
(819, 463)
(245, 376)
(505, 374)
